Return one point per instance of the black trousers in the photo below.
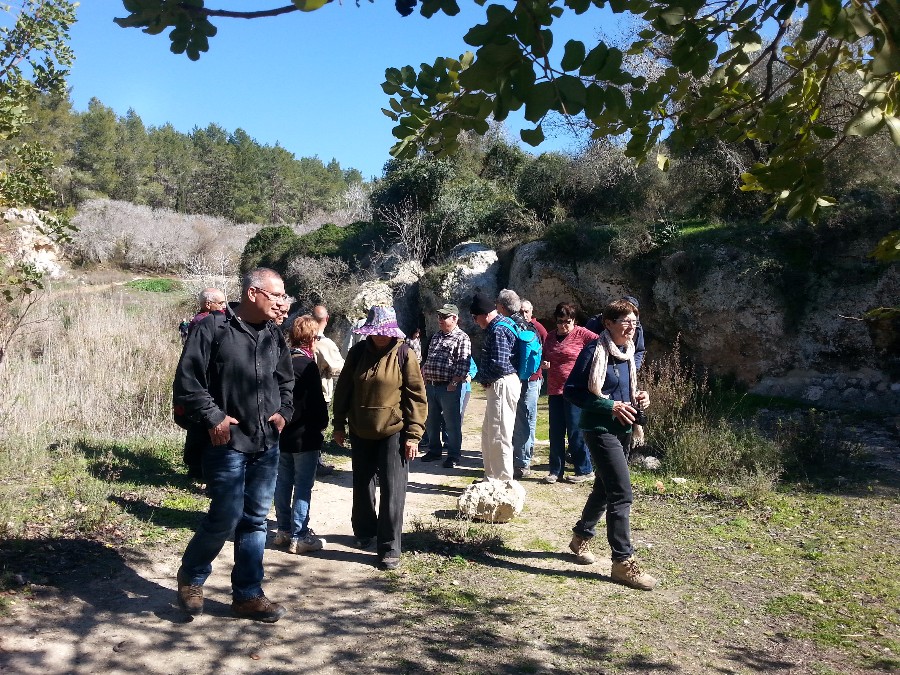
(611, 493)
(387, 459)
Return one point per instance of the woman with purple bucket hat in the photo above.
(380, 397)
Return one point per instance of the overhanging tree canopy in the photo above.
(790, 79)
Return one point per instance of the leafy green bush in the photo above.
(578, 240)
(156, 285)
(267, 247)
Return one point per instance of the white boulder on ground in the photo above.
(491, 500)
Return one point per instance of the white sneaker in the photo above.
(307, 544)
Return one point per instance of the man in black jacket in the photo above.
(235, 380)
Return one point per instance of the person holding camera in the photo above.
(603, 383)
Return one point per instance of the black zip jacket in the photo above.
(227, 368)
(304, 433)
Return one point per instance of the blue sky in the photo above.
(310, 81)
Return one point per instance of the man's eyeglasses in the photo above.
(627, 322)
(272, 296)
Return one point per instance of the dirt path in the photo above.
(123, 617)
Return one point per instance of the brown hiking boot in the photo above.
(628, 572)
(581, 548)
(259, 608)
(190, 598)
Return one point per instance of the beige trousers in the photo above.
(497, 430)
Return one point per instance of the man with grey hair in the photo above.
(509, 304)
(526, 411)
(208, 300)
(234, 383)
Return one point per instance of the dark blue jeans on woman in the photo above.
(611, 493)
(240, 486)
(564, 418)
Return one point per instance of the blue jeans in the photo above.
(526, 419)
(293, 491)
(444, 406)
(564, 419)
(240, 487)
(611, 493)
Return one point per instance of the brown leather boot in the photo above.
(259, 608)
(628, 572)
(190, 597)
(581, 548)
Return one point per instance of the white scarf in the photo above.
(605, 349)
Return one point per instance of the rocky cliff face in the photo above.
(783, 331)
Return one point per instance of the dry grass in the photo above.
(94, 363)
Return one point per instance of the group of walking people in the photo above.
(259, 397)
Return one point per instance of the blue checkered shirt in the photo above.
(497, 352)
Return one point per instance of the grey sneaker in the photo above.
(581, 477)
(190, 597)
(307, 544)
(581, 548)
(282, 538)
(629, 573)
(521, 472)
(550, 478)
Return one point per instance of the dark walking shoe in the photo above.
(521, 472)
(431, 456)
(259, 608)
(450, 463)
(323, 469)
(364, 543)
(190, 597)
(389, 563)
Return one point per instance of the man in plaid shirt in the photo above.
(497, 372)
(444, 371)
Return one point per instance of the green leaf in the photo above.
(865, 123)
(534, 137)
(573, 55)
(595, 60)
(543, 96)
(893, 125)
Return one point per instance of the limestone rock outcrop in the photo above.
(493, 501)
(470, 268)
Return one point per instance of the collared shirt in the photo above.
(448, 356)
(497, 352)
(230, 368)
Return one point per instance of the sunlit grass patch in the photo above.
(156, 285)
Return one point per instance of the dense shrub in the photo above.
(266, 248)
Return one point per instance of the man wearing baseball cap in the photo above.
(444, 371)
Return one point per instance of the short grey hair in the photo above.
(255, 277)
(208, 295)
(526, 305)
(510, 300)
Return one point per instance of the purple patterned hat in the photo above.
(381, 321)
